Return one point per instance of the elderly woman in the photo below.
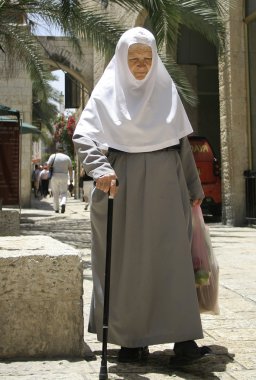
(136, 115)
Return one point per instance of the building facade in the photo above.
(226, 88)
(237, 83)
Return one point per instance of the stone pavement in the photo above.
(231, 335)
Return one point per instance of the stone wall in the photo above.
(62, 55)
(41, 289)
(16, 92)
(9, 222)
(233, 119)
(25, 170)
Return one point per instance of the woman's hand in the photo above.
(108, 183)
(196, 202)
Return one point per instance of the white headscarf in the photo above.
(134, 115)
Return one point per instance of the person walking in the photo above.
(62, 166)
(44, 180)
(135, 115)
(36, 180)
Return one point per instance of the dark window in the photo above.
(250, 7)
(194, 49)
(9, 162)
(72, 92)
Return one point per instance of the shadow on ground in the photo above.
(159, 363)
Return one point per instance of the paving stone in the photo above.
(231, 335)
(244, 375)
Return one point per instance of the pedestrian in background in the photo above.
(36, 180)
(44, 180)
(62, 166)
(136, 115)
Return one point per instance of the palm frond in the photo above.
(166, 18)
(47, 140)
(19, 45)
(81, 21)
(198, 16)
(73, 19)
(183, 86)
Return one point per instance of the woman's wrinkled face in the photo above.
(139, 60)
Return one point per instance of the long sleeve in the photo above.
(93, 160)
(190, 170)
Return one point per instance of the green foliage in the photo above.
(74, 19)
(80, 20)
(44, 111)
(63, 132)
(166, 16)
(165, 19)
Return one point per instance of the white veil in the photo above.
(134, 115)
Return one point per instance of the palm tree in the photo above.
(78, 20)
(165, 18)
(19, 17)
(44, 110)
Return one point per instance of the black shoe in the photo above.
(57, 211)
(189, 351)
(131, 355)
(63, 209)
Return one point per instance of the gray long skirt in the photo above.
(152, 294)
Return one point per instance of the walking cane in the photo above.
(103, 368)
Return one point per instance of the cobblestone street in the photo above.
(231, 335)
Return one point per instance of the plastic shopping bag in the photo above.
(199, 248)
(208, 289)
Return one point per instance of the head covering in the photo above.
(134, 115)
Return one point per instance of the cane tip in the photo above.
(103, 373)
